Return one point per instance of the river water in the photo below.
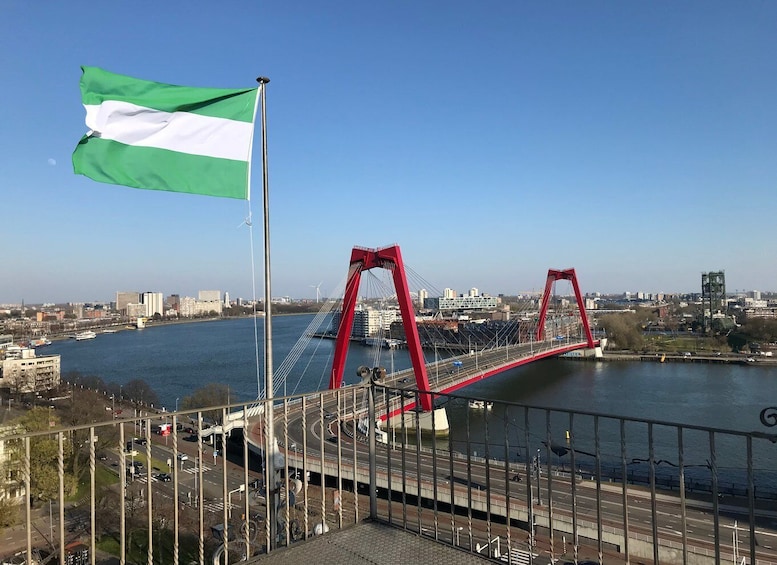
(176, 359)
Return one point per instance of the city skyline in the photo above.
(631, 142)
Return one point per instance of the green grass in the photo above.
(137, 547)
(103, 477)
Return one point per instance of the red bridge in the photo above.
(468, 368)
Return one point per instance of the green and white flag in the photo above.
(158, 136)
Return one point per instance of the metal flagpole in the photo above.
(269, 437)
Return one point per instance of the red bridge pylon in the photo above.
(553, 276)
(363, 259)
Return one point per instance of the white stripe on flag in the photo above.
(177, 131)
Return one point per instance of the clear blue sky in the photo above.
(634, 141)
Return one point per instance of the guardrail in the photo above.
(510, 480)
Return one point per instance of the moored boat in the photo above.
(481, 404)
(88, 334)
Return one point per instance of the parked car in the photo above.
(164, 477)
(182, 457)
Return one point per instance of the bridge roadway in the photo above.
(327, 430)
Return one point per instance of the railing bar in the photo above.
(455, 539)
(200, 490)
(322, 458)
(715, 502)
(434, 473)
(549, 453)
(373, 459)
(575, 547)
(751, 496)
(403, 452)
(123, 497)
(92, 471)
(508, 504)
(417, 415)
(391, 428)
(286, 474)
(683, 509)
(246, 525)
(227, 508)
(624, 491)
(28, 498)
(469, 479)
(355, 419)
(149, 501)
(653, 502)
(529, 491)
(338, 508)
(598, 444)
(61, 471)
(305, 483)
(488, 478)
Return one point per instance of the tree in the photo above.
(212, 394)
(139, 390)
(624, 329)
(44, 453)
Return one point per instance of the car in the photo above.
(329, 416)
(164, 477)
(183, 457)
(405, 380)
(516, 478)
(332, 439)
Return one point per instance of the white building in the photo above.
(153, 303)
(188, 306)
(23, 372)
(11, 488)
(368, 322)
(483, 302)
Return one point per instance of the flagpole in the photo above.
(269, 452)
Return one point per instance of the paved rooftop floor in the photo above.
(371, 542)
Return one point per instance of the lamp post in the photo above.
(176, 404)
(241, 488)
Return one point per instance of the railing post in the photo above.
(373, 455)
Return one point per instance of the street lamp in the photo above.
(176, 404)
(241, 488)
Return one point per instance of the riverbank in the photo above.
(723, 358)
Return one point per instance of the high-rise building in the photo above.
(124, 298)
(153, 303)
(226, 300)
(209, 295)
(422, 296)
(449, 293)
(713, 296)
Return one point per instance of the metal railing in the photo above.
(512, 482)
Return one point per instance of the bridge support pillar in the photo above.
(435, 421)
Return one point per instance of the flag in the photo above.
(159, 136)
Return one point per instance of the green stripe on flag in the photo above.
(160, 169)
(98, 85)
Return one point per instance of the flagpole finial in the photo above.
(262, 80)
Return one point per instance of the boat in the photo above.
(481, 404)
(88, 334)
(40, 342)
(110, 331)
